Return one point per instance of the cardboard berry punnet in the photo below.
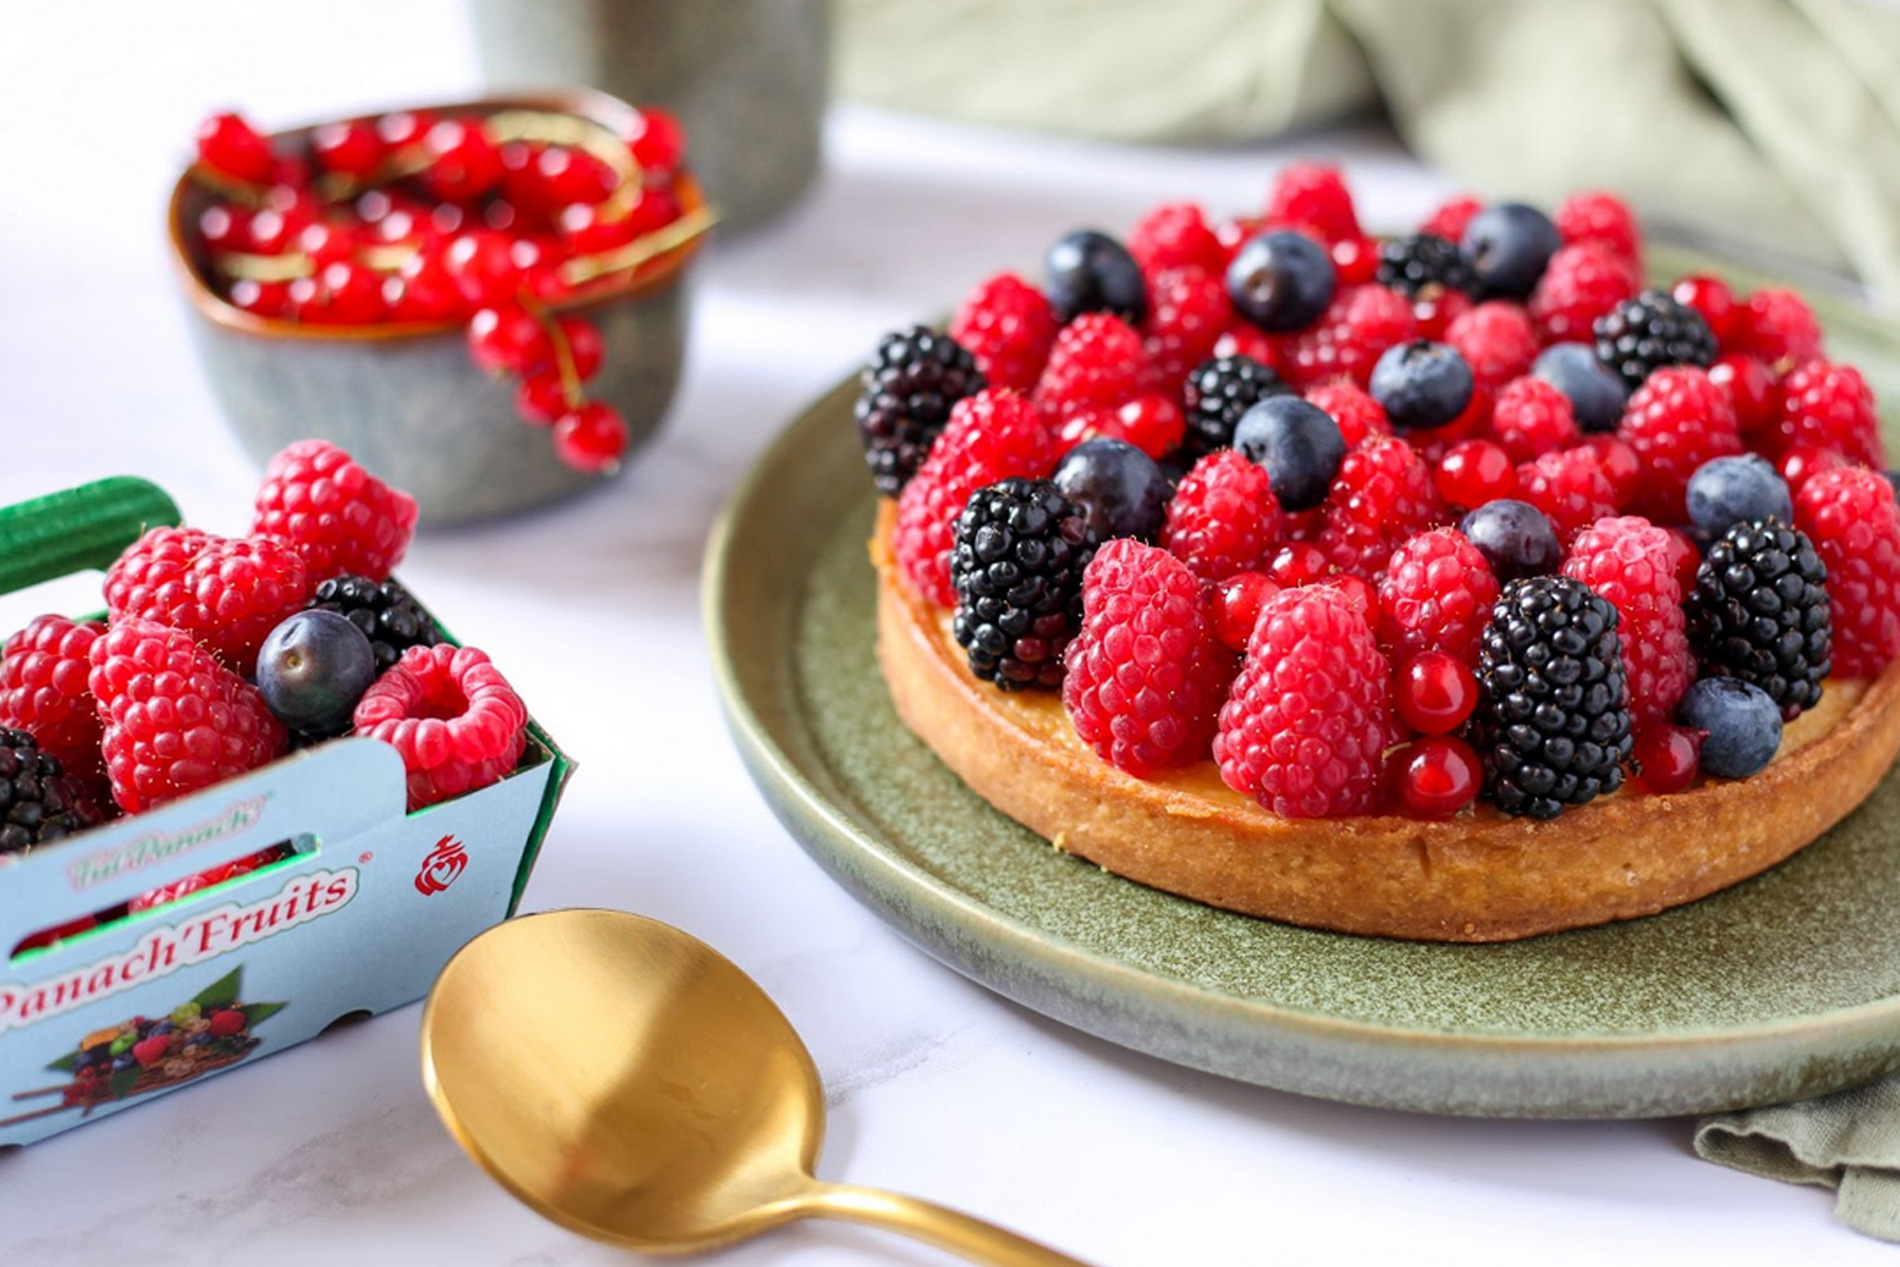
(344, 904)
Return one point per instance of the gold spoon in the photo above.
(625, 1080)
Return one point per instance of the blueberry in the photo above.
(1422, 384)
(1514, 537)
(1281, 280)
(1742, 721)
(1725, 491)
(1508, 245)
(1121, 489)
(1088, 271)
(1893, 481)
(1597, 393)
(1298, 443)
(312, 670)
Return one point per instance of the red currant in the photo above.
(1619, 463)
(584, 345)
(402, 127)
(1711, 297)
(482, 264)
(1750, 388)
(230, 146)
(508, 340)
(1800, 463)
(591, 230)
(342, 294)
(657, 143)
(422, 290)
(572, 176)
(261, 299)
(1435, 311)
(1234, 606)
(1358, 592)
(1300, 563)
(1435, 692)
(592, 437)
(542, 398)
(350, 148)
(1667, 758)
(1355, 260)
(272, 231)
(1437, 776)
(326, 242)
(1474, 472)
(225, 228)
(463, 162)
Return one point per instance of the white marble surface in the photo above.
(330, 1153)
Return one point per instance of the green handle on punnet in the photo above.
(85, 527)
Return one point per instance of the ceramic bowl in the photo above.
(404, 398)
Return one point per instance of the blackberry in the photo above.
(1553, 718)
(1641, 335)
(1424, 263)
(36, 802)
(388, 616)
(909, 387)
(1218, 392)
(1017, 566)
(1759, 612)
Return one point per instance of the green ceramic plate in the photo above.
(1782, 987)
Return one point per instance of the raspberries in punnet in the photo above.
(43, 691)
(1350, 336)
(1306, 724)
(1097, 363)
(1009, 327)
(1188, 310)
(1632, 563)
(175, 719)
(1532, 418)
(1436, 595)
(1777, 327)
(1496, 340)
(1176, 235)
(1383, 494)
(1353, 408)
(451, 714)
(1601, 219)
(228, 593)
(1451, 217)
(1827, 406)
(338, 516)
(1850, 516)
(1677, 420)
(1581, 283)
(1570, 486)
(991, 436)
(1224, 517)
(1146, 676)
(1313, 196)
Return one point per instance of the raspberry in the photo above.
(1451, 217)
(1223, 518)
(1353, 408)
(1570, 487)
(1176, 235)
(991, 436)
(1188, 309)
(1314, 196)
(1602, 219)
(1496, 340)
(1777, 327)
(1097, 363)
(1146, 674)
(1676, 421)
(1355, 330)
(1711, 297)
(1826, 406)
(1631, 562)
(175, 719)
(453, 717)
(43, 691)
(1473, 472)
(1436, 595)
(1581, 284)
(1850, 516)
(334, 513)
(227, 593)
(1620, 465)
(1009, 327)
(1383, 494)
(1306, 725)
(1532, 418)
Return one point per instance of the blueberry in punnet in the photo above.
(1597, 393)
(1725, 491)
(1298, 443)
(1422, 384)
(1514, 537)
(1088, 271)
(1743, 725)
(1281, 280)
(1122, 490)
(1508, 245)
(313, 669)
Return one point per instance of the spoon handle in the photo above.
(947, 1229)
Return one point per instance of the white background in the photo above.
(330, 1153)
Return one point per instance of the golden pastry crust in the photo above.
(1478, 877)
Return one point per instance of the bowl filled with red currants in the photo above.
(484, 301)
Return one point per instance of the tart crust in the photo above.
(1477, 877)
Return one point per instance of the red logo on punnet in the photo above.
(440, 868)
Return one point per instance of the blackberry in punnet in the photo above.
(1422, 384)
(387, 614)
(1089, 271)
(909, 387)
(1742, 724)
(1299, 446)
(1553, 720)
(1759, 612)
(35, 800)
(1021, 548)
(1281, 281)
(1509, 244)
(1218, 393)
(1641, 335)
(1424, 264)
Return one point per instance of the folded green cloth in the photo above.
(1849, 1140)
(1770, 124)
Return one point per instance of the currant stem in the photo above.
(586, 268)
(563, 353)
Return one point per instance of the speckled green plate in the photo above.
(1782, 987)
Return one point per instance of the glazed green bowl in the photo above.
(404, 398)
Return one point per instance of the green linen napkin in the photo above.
(1849, 1140)
(1773, 125)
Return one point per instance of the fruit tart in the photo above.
(1453, 586)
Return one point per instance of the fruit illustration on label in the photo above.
(439, 870)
